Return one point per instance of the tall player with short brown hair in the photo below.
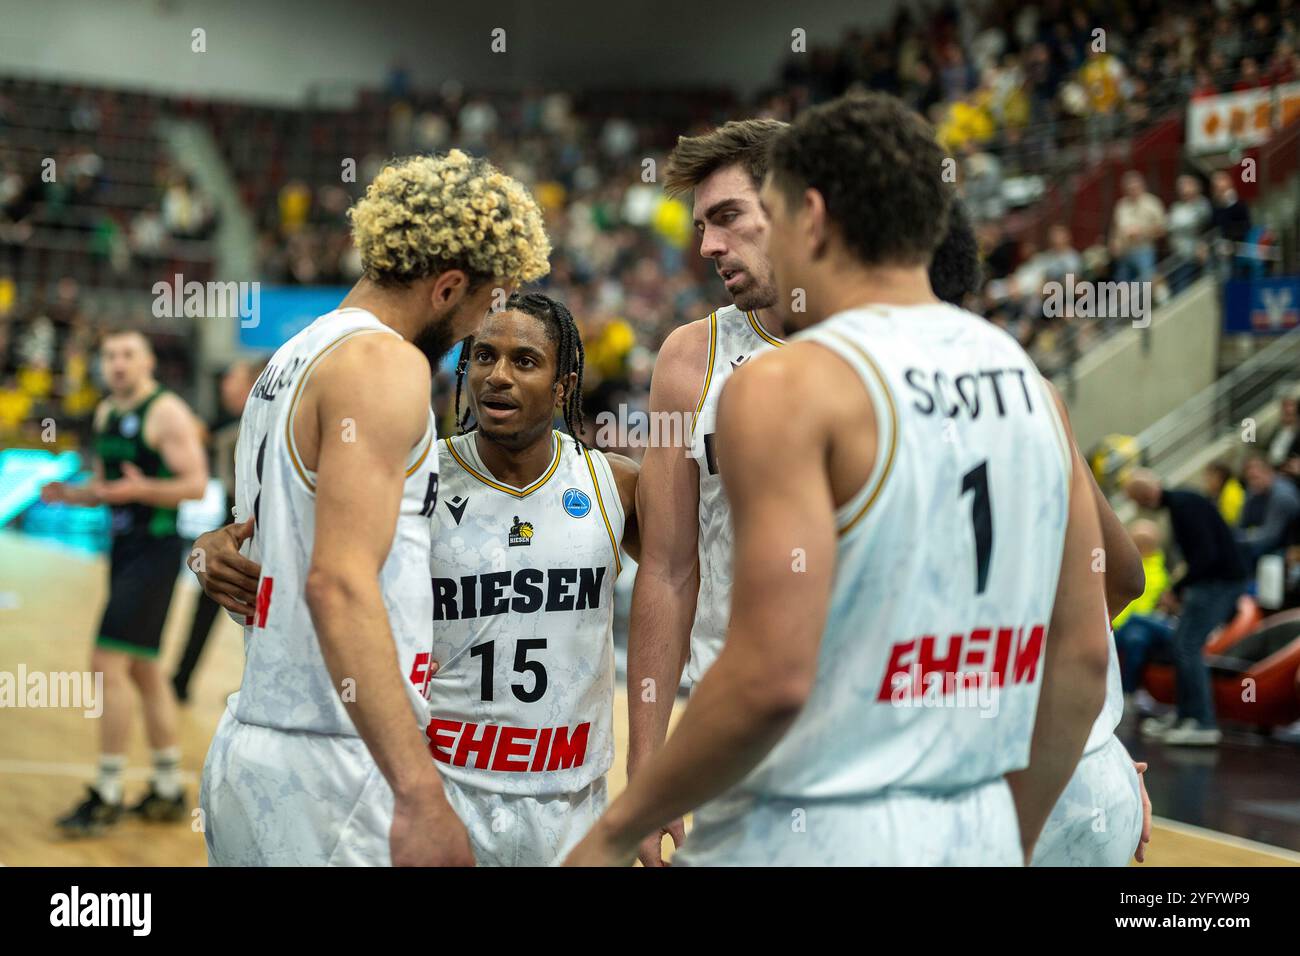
(864, 527)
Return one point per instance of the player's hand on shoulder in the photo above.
(225, 575)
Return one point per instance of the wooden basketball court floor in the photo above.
(50, 601)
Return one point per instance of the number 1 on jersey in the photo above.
(977, 480)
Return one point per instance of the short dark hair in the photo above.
(955, 270)
(695, 158)
(1221, 469)
(120, 331)
(879, 170)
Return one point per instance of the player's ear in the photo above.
(816, 223)
(448, 289)
(564, 386)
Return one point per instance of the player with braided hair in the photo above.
(527, 535)
(560, 330)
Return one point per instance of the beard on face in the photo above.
(434, 340)
(755, 295)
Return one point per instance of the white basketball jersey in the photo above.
(735, 337)
(946, 565)
(523, 621)
(1112, 710)
(286, 684)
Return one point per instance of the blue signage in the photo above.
(1262, 306)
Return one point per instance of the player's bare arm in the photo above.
(668, 571)
(1125, 579)
(358, 497)
(626, 472)
(172, 429)
(1075, 662)
(86, 495)
(783, 506)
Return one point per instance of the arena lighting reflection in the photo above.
(23, 471)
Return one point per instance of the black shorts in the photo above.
(142, 574)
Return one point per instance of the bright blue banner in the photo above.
(281, 312)
(1262, 306)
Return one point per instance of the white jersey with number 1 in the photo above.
(931, 658)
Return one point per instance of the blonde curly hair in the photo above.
(423, 215)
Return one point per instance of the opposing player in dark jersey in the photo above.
(148, 458)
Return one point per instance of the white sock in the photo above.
(109, 781)
(167, 772)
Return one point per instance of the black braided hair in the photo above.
(570, 355)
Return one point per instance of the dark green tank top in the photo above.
(121, 439)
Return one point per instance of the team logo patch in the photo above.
(521, 533)
(457, 507)
(130, 425)
(576, 503)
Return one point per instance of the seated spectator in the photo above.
(982, 184)
(1271, 509)
(1141, 626)
(1102, 79)
(1060, 258)
(1231, 223)
(1284, 441)
(1136, 226)
(1203, 596)
(1225, 490)
(1250, 78)
(1189, 219)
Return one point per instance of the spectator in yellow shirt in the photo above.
(1138, 627)
(1226, 491)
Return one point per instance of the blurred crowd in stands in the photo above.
(1017, 92)
(1230, 560)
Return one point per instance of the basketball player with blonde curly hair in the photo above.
(321, 758)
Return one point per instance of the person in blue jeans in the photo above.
(1203, 597)
(1140, 626)
(1135, 639)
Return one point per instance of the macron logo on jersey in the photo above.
(457, 507)
(527, 591)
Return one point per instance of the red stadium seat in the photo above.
(1254, 669)
(1158, 677)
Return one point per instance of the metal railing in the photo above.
(1212, 413)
